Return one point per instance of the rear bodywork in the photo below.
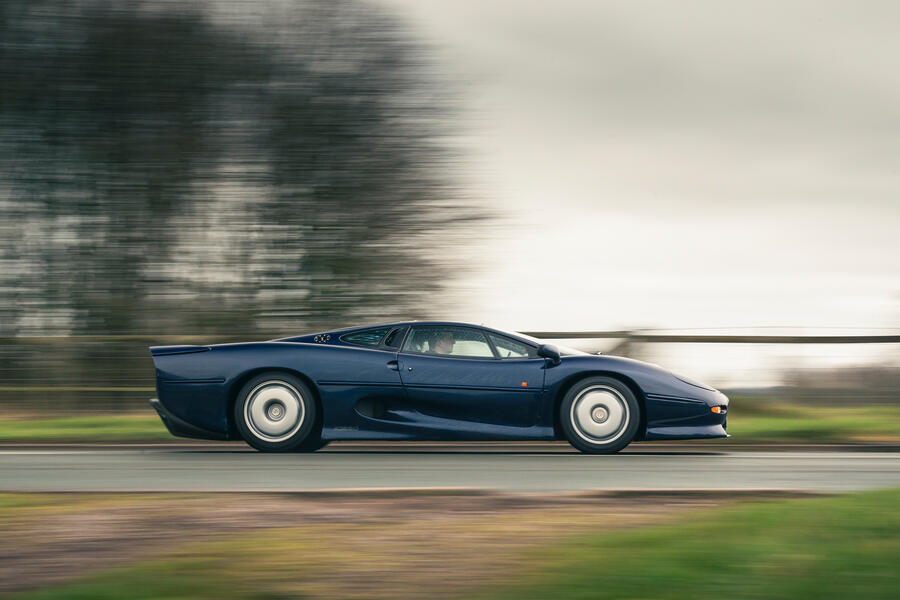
(383, 394)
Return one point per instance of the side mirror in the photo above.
(549, 351)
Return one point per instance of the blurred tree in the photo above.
(227, 168)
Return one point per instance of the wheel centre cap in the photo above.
(276, 411)
(599, 414)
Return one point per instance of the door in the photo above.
(468, 383)
(359, 380)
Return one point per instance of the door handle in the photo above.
(393, 365)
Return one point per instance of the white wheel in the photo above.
(599, 415)
(275, 412)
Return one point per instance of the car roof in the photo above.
(513, 334)
(346, 330)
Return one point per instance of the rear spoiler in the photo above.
(163, 350)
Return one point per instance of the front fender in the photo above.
(674, 408)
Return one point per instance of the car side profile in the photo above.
(438, 381)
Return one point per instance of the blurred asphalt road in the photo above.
(518, 468)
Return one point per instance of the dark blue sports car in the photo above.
(424, 381)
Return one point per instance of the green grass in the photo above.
(93, 428)
(11, 502)
(835, 547)
(173, 581)
(765, 420)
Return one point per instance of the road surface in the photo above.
(529, 468)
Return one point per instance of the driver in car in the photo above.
(444, 343)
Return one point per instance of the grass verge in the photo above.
(372, 546)
(836, 547)
(823, 548)
(768, 420)
(139, 427)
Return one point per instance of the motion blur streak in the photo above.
(218, 166)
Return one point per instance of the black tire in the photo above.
(599, 415)
(275, 412)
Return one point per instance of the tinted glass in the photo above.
(448, 341)
(369, 337)
(509, 348)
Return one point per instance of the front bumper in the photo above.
(678, 418)
(179, 427)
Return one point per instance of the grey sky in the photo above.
(695, 164)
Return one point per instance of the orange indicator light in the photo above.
(524, 384)
(716, 409)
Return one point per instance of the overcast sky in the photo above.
(679, 165)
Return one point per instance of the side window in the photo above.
(509, 348)
(369, 337)
(448, 341)
(394, 338)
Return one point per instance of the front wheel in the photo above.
(275, 412)
(599, 415)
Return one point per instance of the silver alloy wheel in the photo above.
(600, 414)
(274, 411)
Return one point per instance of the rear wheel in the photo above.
(600, 415)
(275, 412)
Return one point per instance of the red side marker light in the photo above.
(524, 384)
(716, 409)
